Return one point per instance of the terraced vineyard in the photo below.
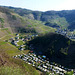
(9, 65)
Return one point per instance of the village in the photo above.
(40, 62)
(20, 42)
(66, 33)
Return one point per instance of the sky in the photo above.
(40, 5)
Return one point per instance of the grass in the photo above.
(37, 25)
(28, 68)
(8, 48)
(10, 71)
(6, 37)
(1, 43)
(25, 51)
(14, 66)
(69, 73)
(5, 32)
(4, 28)
(20, 43)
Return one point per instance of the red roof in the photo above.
(31, 51)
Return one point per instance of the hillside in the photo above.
(56, 47)
(10, 24)
(56, 19)
(21, 24)
(9, 65)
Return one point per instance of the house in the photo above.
(31, 51)
(47, 61)
(23, 39)
(11, 39)
(44, 66)
(45, 70)
(57, 71)
(21, 48)
(22, 45)
(15, 42)
(34, 55)
(36, 35)
(26, 39)
(39, 57)
(17, 38)
(16, 45)
(44, 56)
(17, 34)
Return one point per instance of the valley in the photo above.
(36, 43)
